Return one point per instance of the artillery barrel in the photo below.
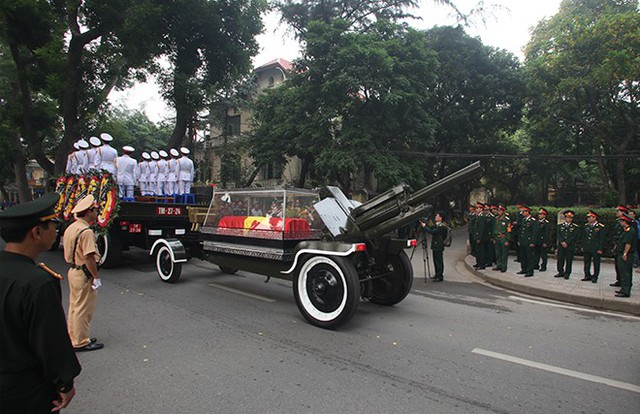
(400, 209)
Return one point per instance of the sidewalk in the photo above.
(597, 295)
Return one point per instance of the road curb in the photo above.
(612, 304)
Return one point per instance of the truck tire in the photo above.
(228, 270)
(394, 288)
(327, 291)
(109, 249)
(168, 270)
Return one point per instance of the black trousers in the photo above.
(438, 263)
(565, 259)
(588, 258)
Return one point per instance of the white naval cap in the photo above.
(128, 148)
(83, 144)
(163, 153)
(106, 137)
(76, 146)
(95, 141)
(155, 155)
(146, 156)
(185, 150)
(174, 152)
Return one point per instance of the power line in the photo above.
(565, 157)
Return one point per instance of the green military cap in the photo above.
(30, 213)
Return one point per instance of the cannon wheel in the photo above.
(109, 249)
(395, 287)
(228, 270)
(168, 270)
(327, 291)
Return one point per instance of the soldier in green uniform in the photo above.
(620, 210)
(501, 234)
(438, 233)
(528, 238)
(592, 246)
(481, 236)
(37, 362)
(515, 232)
(544, 241)
(625, 249)
(568, 233)
(471, 220)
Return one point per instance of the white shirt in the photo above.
(186, 169)
(162, 170)
(95, 158)
(125, 167)
(83, 162)
(108, 155)
(174, 169)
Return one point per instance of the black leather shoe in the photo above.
(594, 280)
(543, 269)
(438, 280)
(522, 272)
(503, 270)
(585, 279)
(536, 267)
(559, 275)
(566, 277)
(619, 291)
(615, 284)
(622, 295)
(91, 346)
(528, 275)
(495, 268)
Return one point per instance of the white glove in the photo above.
(96, 284)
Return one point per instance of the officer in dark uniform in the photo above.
(501, 234)
(38, 364)
(528, 238)
(471, 222)
(438, 234)
(481, 235)
(620, 210)
(592, 246)
(625, 248)
(568, 233)
(544, 241)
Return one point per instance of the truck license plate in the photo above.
(135, 228)
(169, 211)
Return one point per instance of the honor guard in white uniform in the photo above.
(185, 177)
(108, 154)
(125, 170)
(142, 174)
(174, 171)
(161, 188)
(83, 157)
(94, 153)
(153, 173)
(72, 160)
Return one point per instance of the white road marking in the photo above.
(558, 370)
(242, 293)
(558, 305)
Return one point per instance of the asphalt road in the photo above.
(215, 343)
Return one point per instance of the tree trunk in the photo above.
(26, 104)
(304, 170)
(620, 178)
(19, 164)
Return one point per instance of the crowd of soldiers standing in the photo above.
(158, 173)
(492, 233)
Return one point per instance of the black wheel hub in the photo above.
(325, 290)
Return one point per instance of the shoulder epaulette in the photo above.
(50, 271)
(600, 224)
(574, 224)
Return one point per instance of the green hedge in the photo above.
(607, 216)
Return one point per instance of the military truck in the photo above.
(334, 250)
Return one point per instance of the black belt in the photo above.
(76, 267)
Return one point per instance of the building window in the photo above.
(233, 125)
(271, 81)
(272, 171)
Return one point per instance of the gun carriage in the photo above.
(334, 250)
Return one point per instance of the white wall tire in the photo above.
(109, 249)
(327, 291)
(168, 270)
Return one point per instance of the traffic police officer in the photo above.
(81, 253)
(568, 233)
(37, 362)
(592, 246)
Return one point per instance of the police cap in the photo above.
(31, 213)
